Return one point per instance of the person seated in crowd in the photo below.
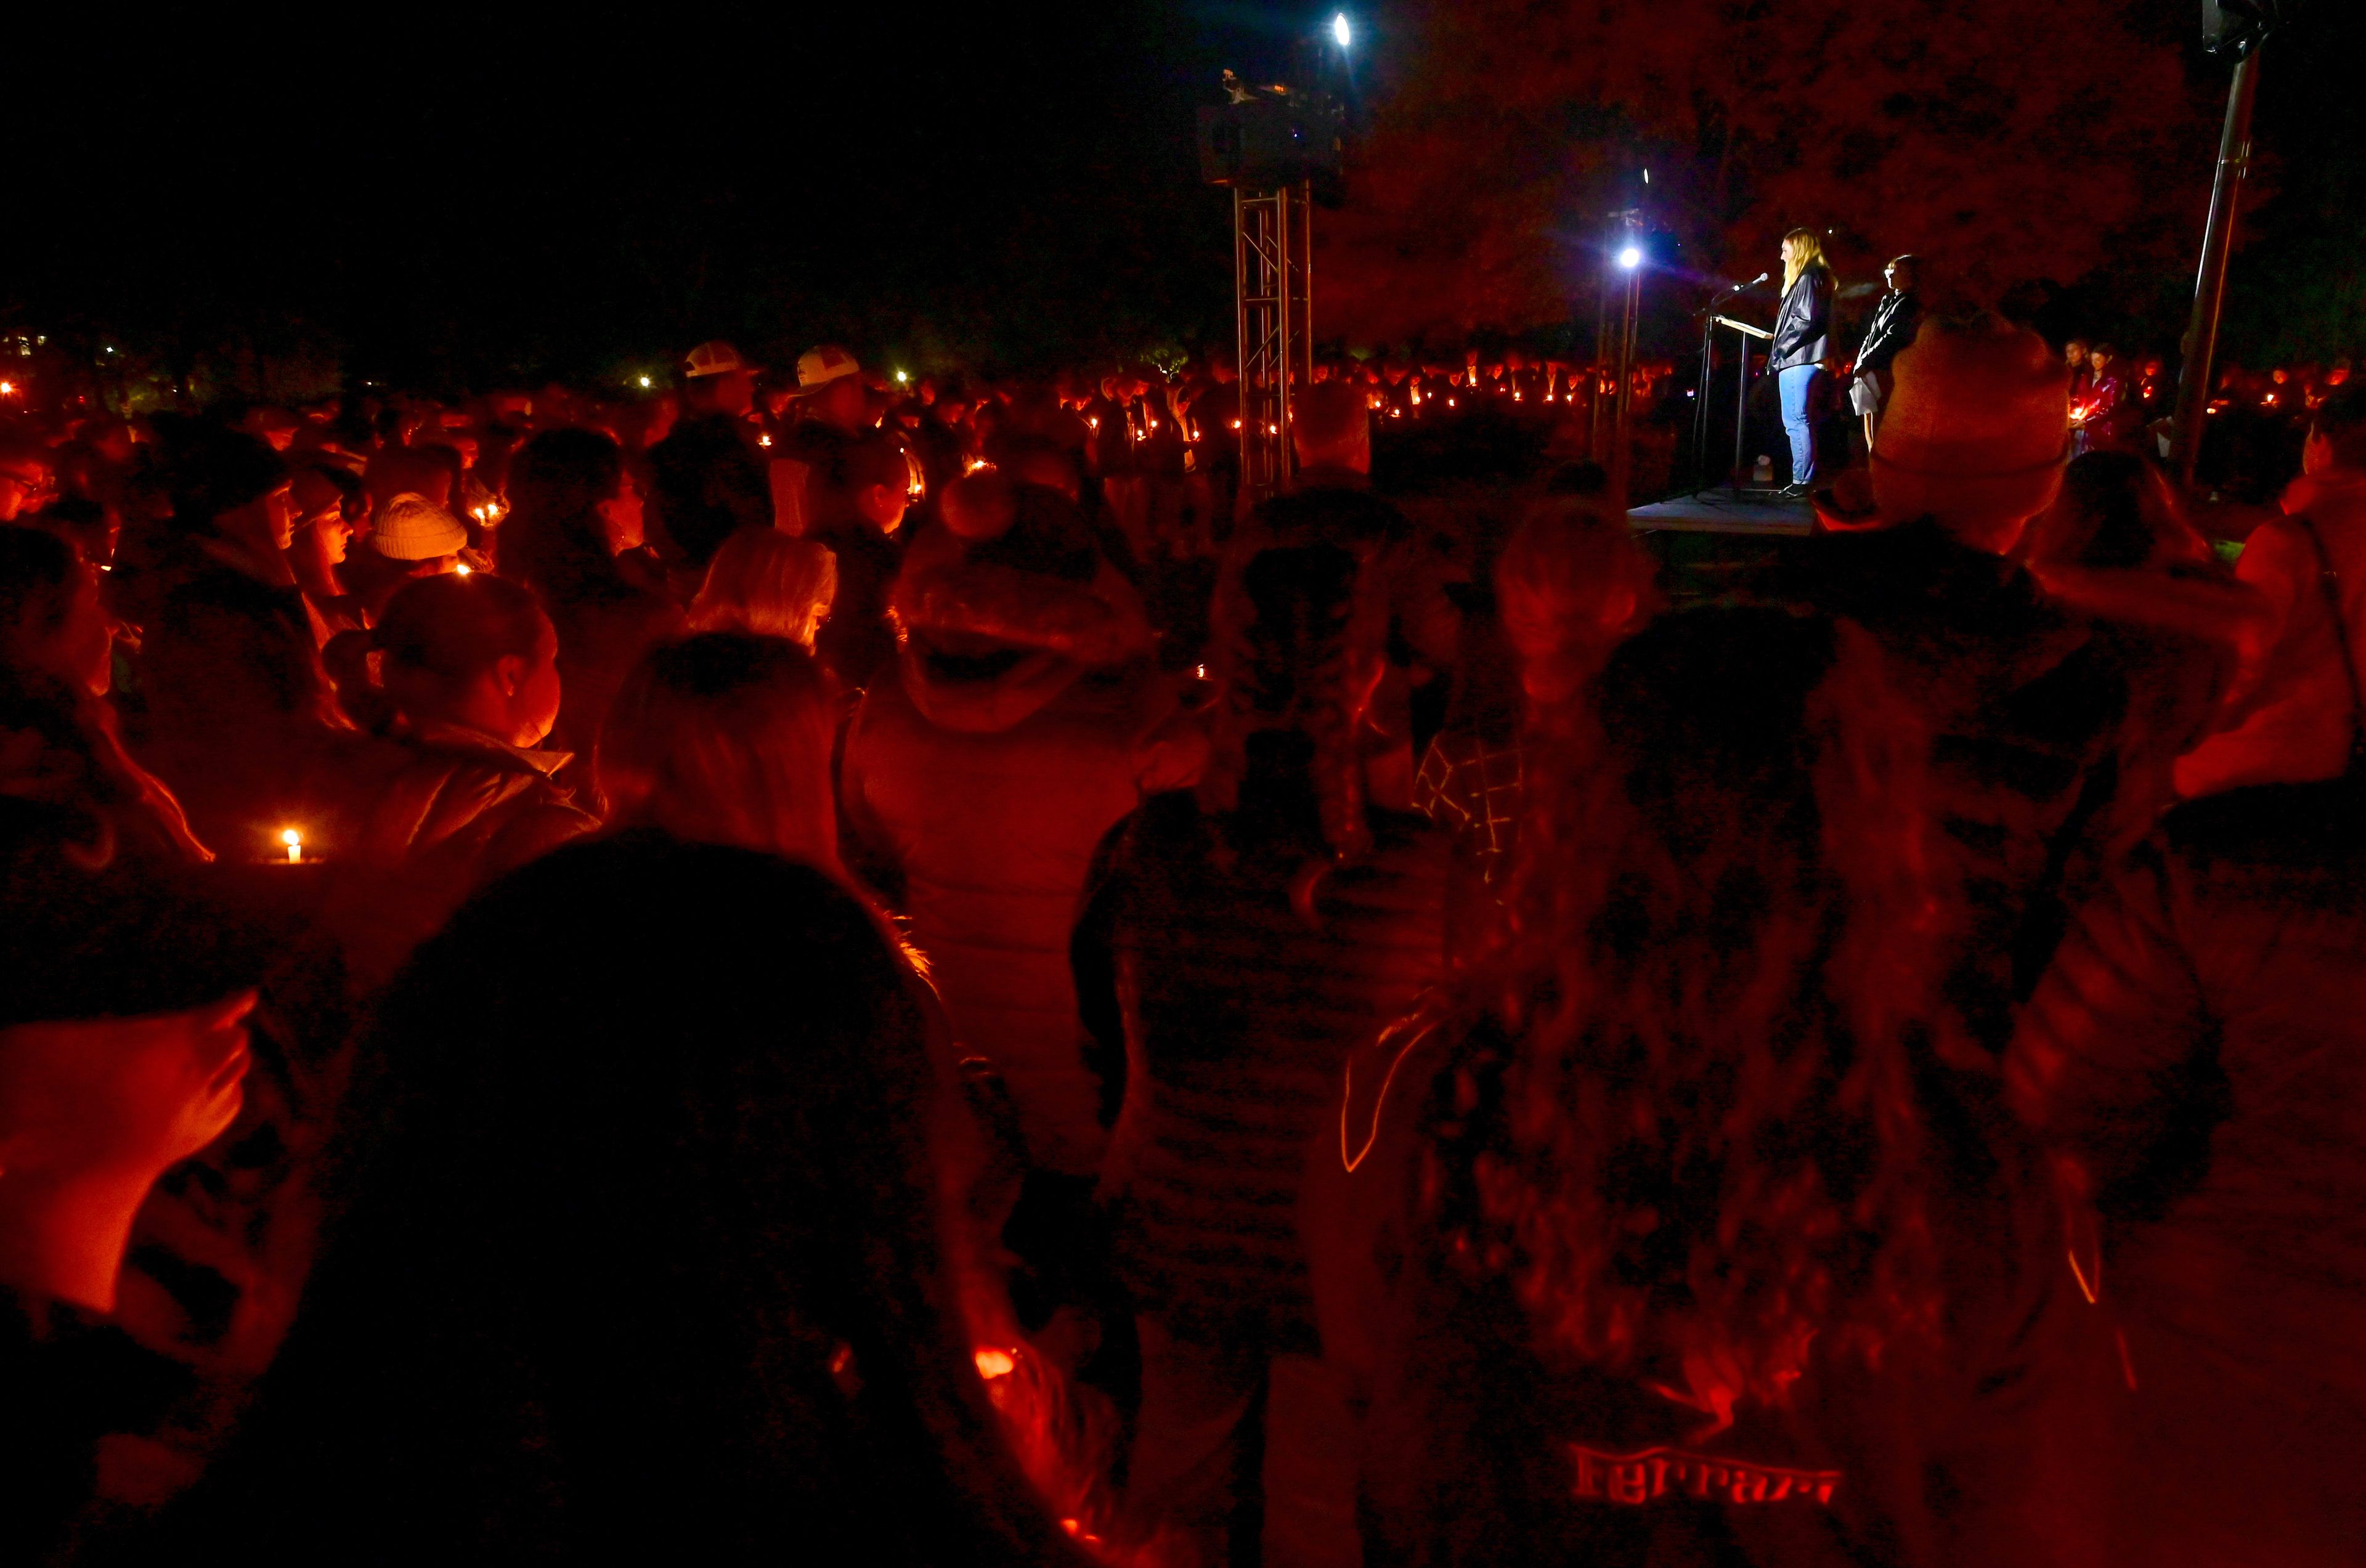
(631, 1267)
(1679, 1233)
(768, 584)
(574, 522)
(1022, 718)
(1234, 943)
(2296, 715)
(2192, 1058)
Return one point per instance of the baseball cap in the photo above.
(818, 367)
(712, 358)
(414, 528)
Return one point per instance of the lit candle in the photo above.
(295, 843)
(464, 568)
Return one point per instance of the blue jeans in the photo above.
(1798, 385)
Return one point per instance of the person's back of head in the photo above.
(476, 651)
(1975, 433)
(705, 486)
(210, 472)
(2336, 437)
(1299, 643)
(724, 737)
(1726, 887)
(553, 537)
(2116, 512)
(1570, 585)
(767, 583)
(642, 1261)
(1331, 427)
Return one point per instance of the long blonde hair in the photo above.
(1801, 250)
(770, 583)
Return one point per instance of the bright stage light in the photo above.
(1631, 257)
(1339, 28)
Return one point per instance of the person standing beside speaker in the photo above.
(1802, 342)
(1895, 322)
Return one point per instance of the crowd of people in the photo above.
(825, 968)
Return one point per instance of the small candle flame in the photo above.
(295, 843)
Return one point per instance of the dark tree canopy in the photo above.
(2011, 141)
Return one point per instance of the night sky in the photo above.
(564, 189)
(443, 199)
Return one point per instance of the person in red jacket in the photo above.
(1024, 717)
(2196, 1056)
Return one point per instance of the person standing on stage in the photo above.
(1802, 344)
(1895, 322)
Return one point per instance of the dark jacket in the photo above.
(2025, 703)
(1236, 989)
(1803, 327)
(2199, 1047)
(1895, 322)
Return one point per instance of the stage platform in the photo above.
(1759, 512)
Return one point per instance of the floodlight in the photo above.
(1631, 257)
(1339, 28)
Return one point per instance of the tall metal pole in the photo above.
(2210, 288)
(1619, 456)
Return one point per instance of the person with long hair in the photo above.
(724, 737)
(637, 1261)
(1237, 942)
(770, 583)
(1673, 1232)
(1801, 344)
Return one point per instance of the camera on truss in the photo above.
(1270, 136)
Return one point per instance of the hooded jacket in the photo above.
(1025, 719)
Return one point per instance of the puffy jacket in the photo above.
(1803, 327)
(2292, 718)
(435, 816)
(983, 782)
(2200, 1048)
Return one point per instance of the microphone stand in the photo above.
(1700, 399)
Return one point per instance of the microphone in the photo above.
(1759, 279)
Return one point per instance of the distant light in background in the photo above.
(1631, 257)
(901, 377)
(1339, 28)
(645, 381)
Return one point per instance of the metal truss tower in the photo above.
(1273, 268)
